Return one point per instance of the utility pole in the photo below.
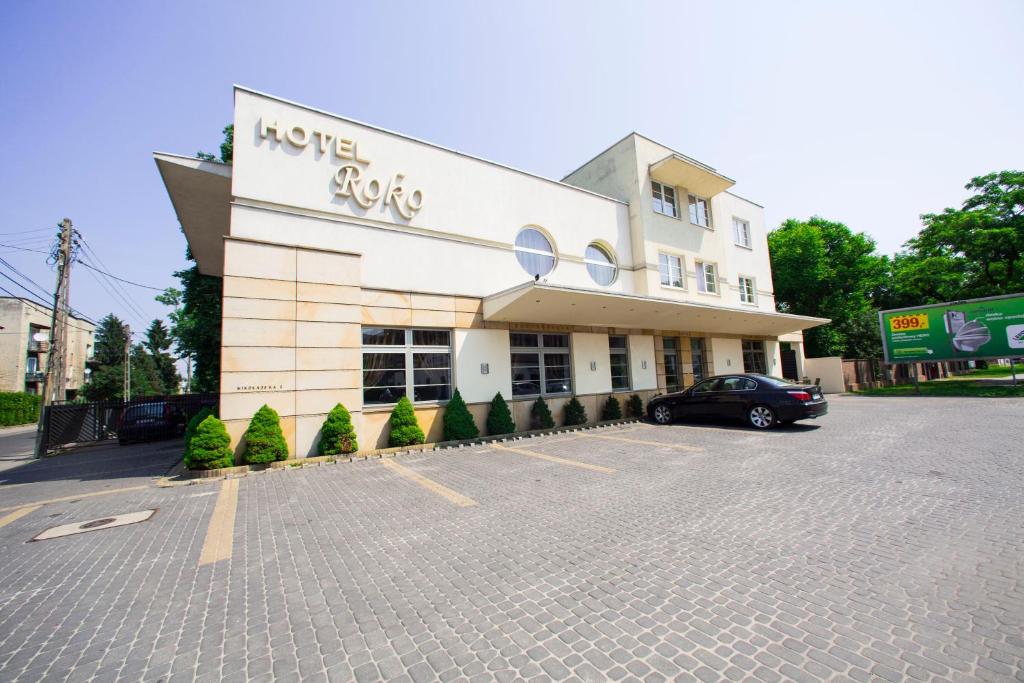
(55, 377)
(127, 363)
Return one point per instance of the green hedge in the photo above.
(18, 408)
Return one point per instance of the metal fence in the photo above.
(76, 423)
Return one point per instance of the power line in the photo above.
(120, 279)
(116, 296)
(47, 295)
(106, 273)
(12, 246)
(25, 232)
(38, 307)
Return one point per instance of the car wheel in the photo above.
(662, 414)
(761, 417)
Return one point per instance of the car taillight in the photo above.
(800, 395)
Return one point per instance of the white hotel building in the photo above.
(360, 265)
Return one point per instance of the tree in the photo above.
(405, 430)
(612, 409)
(193, 426)
(145, 379)
(822, 268)
(264, 440)
(338, 436)
(158, 341)
(974, 251)
(458, 421)
(575, 413)
(499, 418)
(106, 381)
(210, 448)
(195, 324)
(227, 148)
(540, 415)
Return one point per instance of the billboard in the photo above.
(958, 330)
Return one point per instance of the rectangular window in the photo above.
(754, 356)
(664, 199)
(747, 290)
(540, 364)
(671, 268)
(31, 365)
(673, 376)
(619, 362)
(741, 232)
(700, 211)
(707, 280)
(401, 362)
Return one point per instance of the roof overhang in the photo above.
(680, 171)
(552, 305)
(201, 194)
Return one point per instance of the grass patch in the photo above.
(995, 371)
(951, 387)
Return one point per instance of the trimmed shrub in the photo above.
(264, 440)
(575, 413)
(337, 435)
(193, 425)
(210, 447)
(18, 408)
(540, 415)
(499, 419)
(611, 410)
(636, 406)
(458, 421)
(405, 430)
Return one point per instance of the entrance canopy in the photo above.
(201, 194)
(547, 304)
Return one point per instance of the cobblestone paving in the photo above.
(885, 543)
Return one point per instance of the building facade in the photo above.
(360, 265)
(25, 347)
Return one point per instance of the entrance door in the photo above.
(697, 358)
(789, 364)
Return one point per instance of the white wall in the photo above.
(727, 355)
(588, 348)
(641, 354)
(830, 370)
(459, 242)
(473, 347)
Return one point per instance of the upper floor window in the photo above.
(664, 199)
(619, 361)
(534, 252)
(707, 278)
(400, 362)
(600, 265)
(741, 232)
(747, 290)
(700, 211)
(671, 268)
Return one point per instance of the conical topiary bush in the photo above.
(458, 421)
(612, 410)
(337, 435)
(636, 406)
(499, 419)
(264, 440)
(193, 425)
(405, 430)
(540, 415)
(210, 447)
(575, 413)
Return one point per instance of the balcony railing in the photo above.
(34, 376)
(38, 346)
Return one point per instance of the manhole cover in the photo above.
(94, 524)
(97, 523)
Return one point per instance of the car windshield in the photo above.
(776, 381)
(145, 410)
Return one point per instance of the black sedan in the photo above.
(760, 400)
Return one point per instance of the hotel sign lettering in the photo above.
(352, 180)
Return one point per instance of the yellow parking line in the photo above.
(220, 534)
(429, 484)
(78, 497)
(18, 514)
(678, 446)
(555, 458)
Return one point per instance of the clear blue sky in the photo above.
(866, 112)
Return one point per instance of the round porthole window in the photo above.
(600, 265)
(534, 252)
